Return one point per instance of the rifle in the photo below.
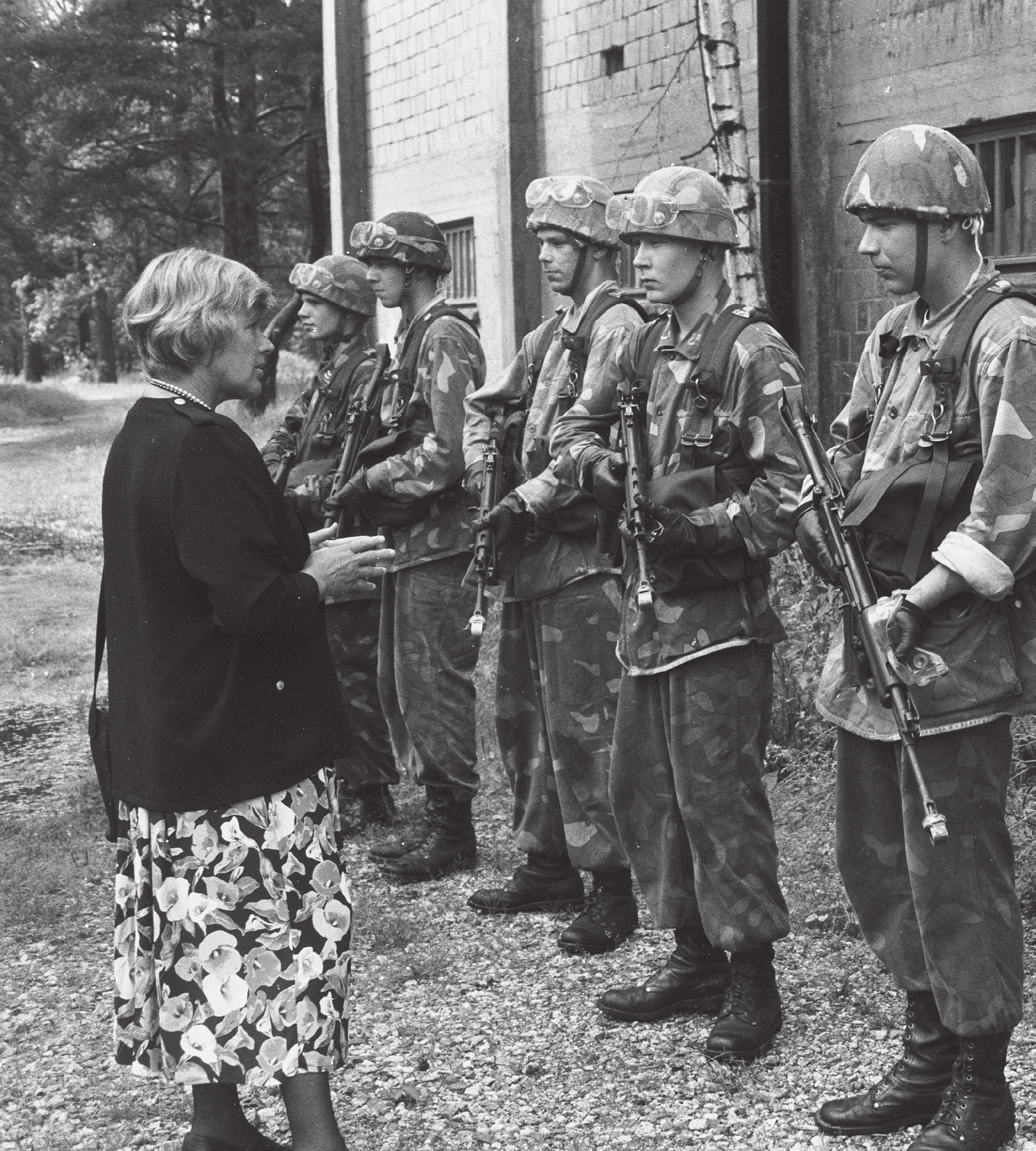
(865, 632)
(359, 419)
(287, 462)
(631, 402)
(486, 557)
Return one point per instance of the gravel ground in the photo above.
(473, 1032)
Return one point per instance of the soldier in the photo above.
(337, 302)
(944, 919)
(557, 673)
(694, 698)
(411, 485)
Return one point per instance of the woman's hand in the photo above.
(346, 566)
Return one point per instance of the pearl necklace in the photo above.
(179, 392)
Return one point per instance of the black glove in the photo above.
(671, 532)
(608, 481)
(510, 519)
(906, 626)
(810, 537)
(350, 497)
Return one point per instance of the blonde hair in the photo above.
(186, 303)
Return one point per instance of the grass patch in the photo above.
(22, 404)
(48, 863)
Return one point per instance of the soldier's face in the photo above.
(559, 259)
(665, 266)
(321, 320)
(890, 243)
(388, 279)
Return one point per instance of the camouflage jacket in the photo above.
(686, 624)
(313, 426)
(450, 365)
(987, 639)
(551, 558)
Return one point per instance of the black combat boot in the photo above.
(609, 918)
(751, 1013)
(399, 845)
(449, 848)
(911, 1091)
(377, 807)
(544, 883)
(977, 1109)
(693, 979)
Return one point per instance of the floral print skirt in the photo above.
(232, 939)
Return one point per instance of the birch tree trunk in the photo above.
(721, 68)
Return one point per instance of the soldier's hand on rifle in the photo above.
(474, 478)
(350, 497)
(510, 519)
(906, 626)
(670, 533)
(607, 481)
(810, 537)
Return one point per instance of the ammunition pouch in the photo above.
(689, 491)
(903, 512)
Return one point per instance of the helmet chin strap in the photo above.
(576, 279)
(692, 284)
(920, 255)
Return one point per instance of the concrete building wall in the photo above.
(864, 66)
(437, 79)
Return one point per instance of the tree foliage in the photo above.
(129, 127)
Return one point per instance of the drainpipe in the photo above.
(777, 238)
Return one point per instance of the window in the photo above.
(460, 239)
(1007, 155)
(613, 60)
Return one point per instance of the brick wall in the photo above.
(893, 62)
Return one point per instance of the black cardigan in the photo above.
(220, 680)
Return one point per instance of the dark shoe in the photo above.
(693, 979)
(911, 1091)
(377, 807)
(542, 884)
(750, 1017)
(609, 918)
(450, 847)
(397, 846)
(205, 1143)
(977, 1109)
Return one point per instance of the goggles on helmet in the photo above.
(373, 234)
(569, 191)
(642, 210)
(313, 279)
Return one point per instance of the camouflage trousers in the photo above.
(426, 660)
(352, 631)
(944, 917)
(689, 800)
(556, 683)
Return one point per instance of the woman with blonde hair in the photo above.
(232, 906)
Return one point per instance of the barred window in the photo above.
(460, 239)
(1006, 153)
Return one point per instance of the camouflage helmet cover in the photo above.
(574, 204)
(341, 280)
(918, 170)
(409, 238)
(682, 202)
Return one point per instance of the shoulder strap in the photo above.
(946, 368)
(402, 375)
(539, 354)
(643, 345)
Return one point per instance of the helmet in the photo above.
(573, 204)
(409, 238)
(340, 279)
(685, 203)
(919, 170)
